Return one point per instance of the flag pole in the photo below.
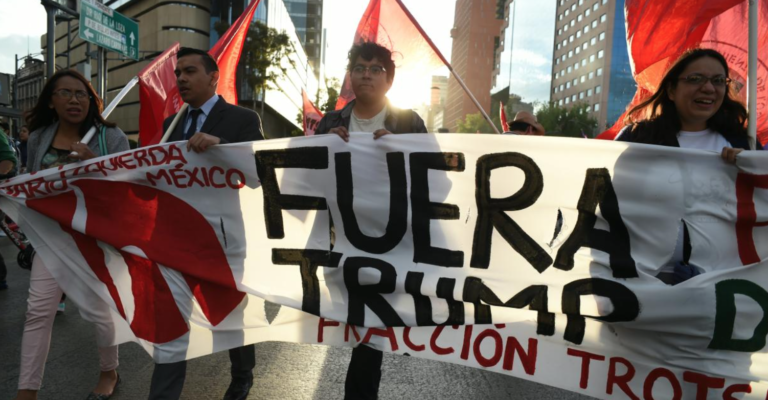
(111, 107)
(173, 124)
(447, 64)
(474, 100)
(752, 77)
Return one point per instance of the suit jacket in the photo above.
(230, 123)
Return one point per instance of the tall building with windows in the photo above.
(193, 23)
(591, 62)
(307, 17)
(475, 34)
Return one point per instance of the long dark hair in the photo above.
(41, 115)
(657, 121)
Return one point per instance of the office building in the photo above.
(475, 33)
(591, 62)
(438, 95)
(30, 80)
(307, 17)
(192, 23)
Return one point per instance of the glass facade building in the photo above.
(591, 63)
(307, 17)
(621, 85)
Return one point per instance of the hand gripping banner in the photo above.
(541, 258)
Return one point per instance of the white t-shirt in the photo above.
(368, 125)
(702, 140)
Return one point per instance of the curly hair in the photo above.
(368, 51)
(41, 115)
(656, 120)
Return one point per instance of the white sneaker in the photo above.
(62, 307)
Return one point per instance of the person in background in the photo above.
(372, 73)
(209, 121)
(23, 138)
(693, 108)
(525, 123)
(66, 109)
(8, 164)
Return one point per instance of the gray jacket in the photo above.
(41, 139)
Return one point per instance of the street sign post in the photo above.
(109, 29)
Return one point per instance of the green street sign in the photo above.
(107, 28)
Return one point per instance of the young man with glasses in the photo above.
(372, 73)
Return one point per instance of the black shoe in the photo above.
(101, 396)
(238, 390)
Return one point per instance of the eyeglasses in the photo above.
(67, 94)
(375, 70)
(701, 80)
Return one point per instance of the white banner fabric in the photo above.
(540, 258)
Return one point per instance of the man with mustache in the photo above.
(208, 121)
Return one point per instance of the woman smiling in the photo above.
(693, 108)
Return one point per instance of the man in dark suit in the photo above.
(209, 121)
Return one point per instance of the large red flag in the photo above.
(227, 52)
(158, 95)
(658, 32)
(312, 115)
(390, 24)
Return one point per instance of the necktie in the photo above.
(193, 126)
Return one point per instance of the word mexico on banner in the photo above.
(542, 258)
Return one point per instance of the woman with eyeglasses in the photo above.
(693, 108)
(66, 109)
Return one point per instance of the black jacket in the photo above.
(230, 123)
(397, 120)
(628, 134)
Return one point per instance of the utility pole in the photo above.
(16, 84)
(100, 75)
(50, 41)
(50, 9)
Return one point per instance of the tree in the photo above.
(332, 89)
(474, 123)
(264, 51)
(568, 122)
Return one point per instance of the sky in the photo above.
(23, 22)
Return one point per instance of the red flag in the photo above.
(503, 116)
(227, 52)
(158, 95)
(312, 115)
(717, 24)
(390, 24)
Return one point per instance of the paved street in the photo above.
(283, 370)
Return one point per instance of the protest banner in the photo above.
(530, 256)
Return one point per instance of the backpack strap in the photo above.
(103, 141)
